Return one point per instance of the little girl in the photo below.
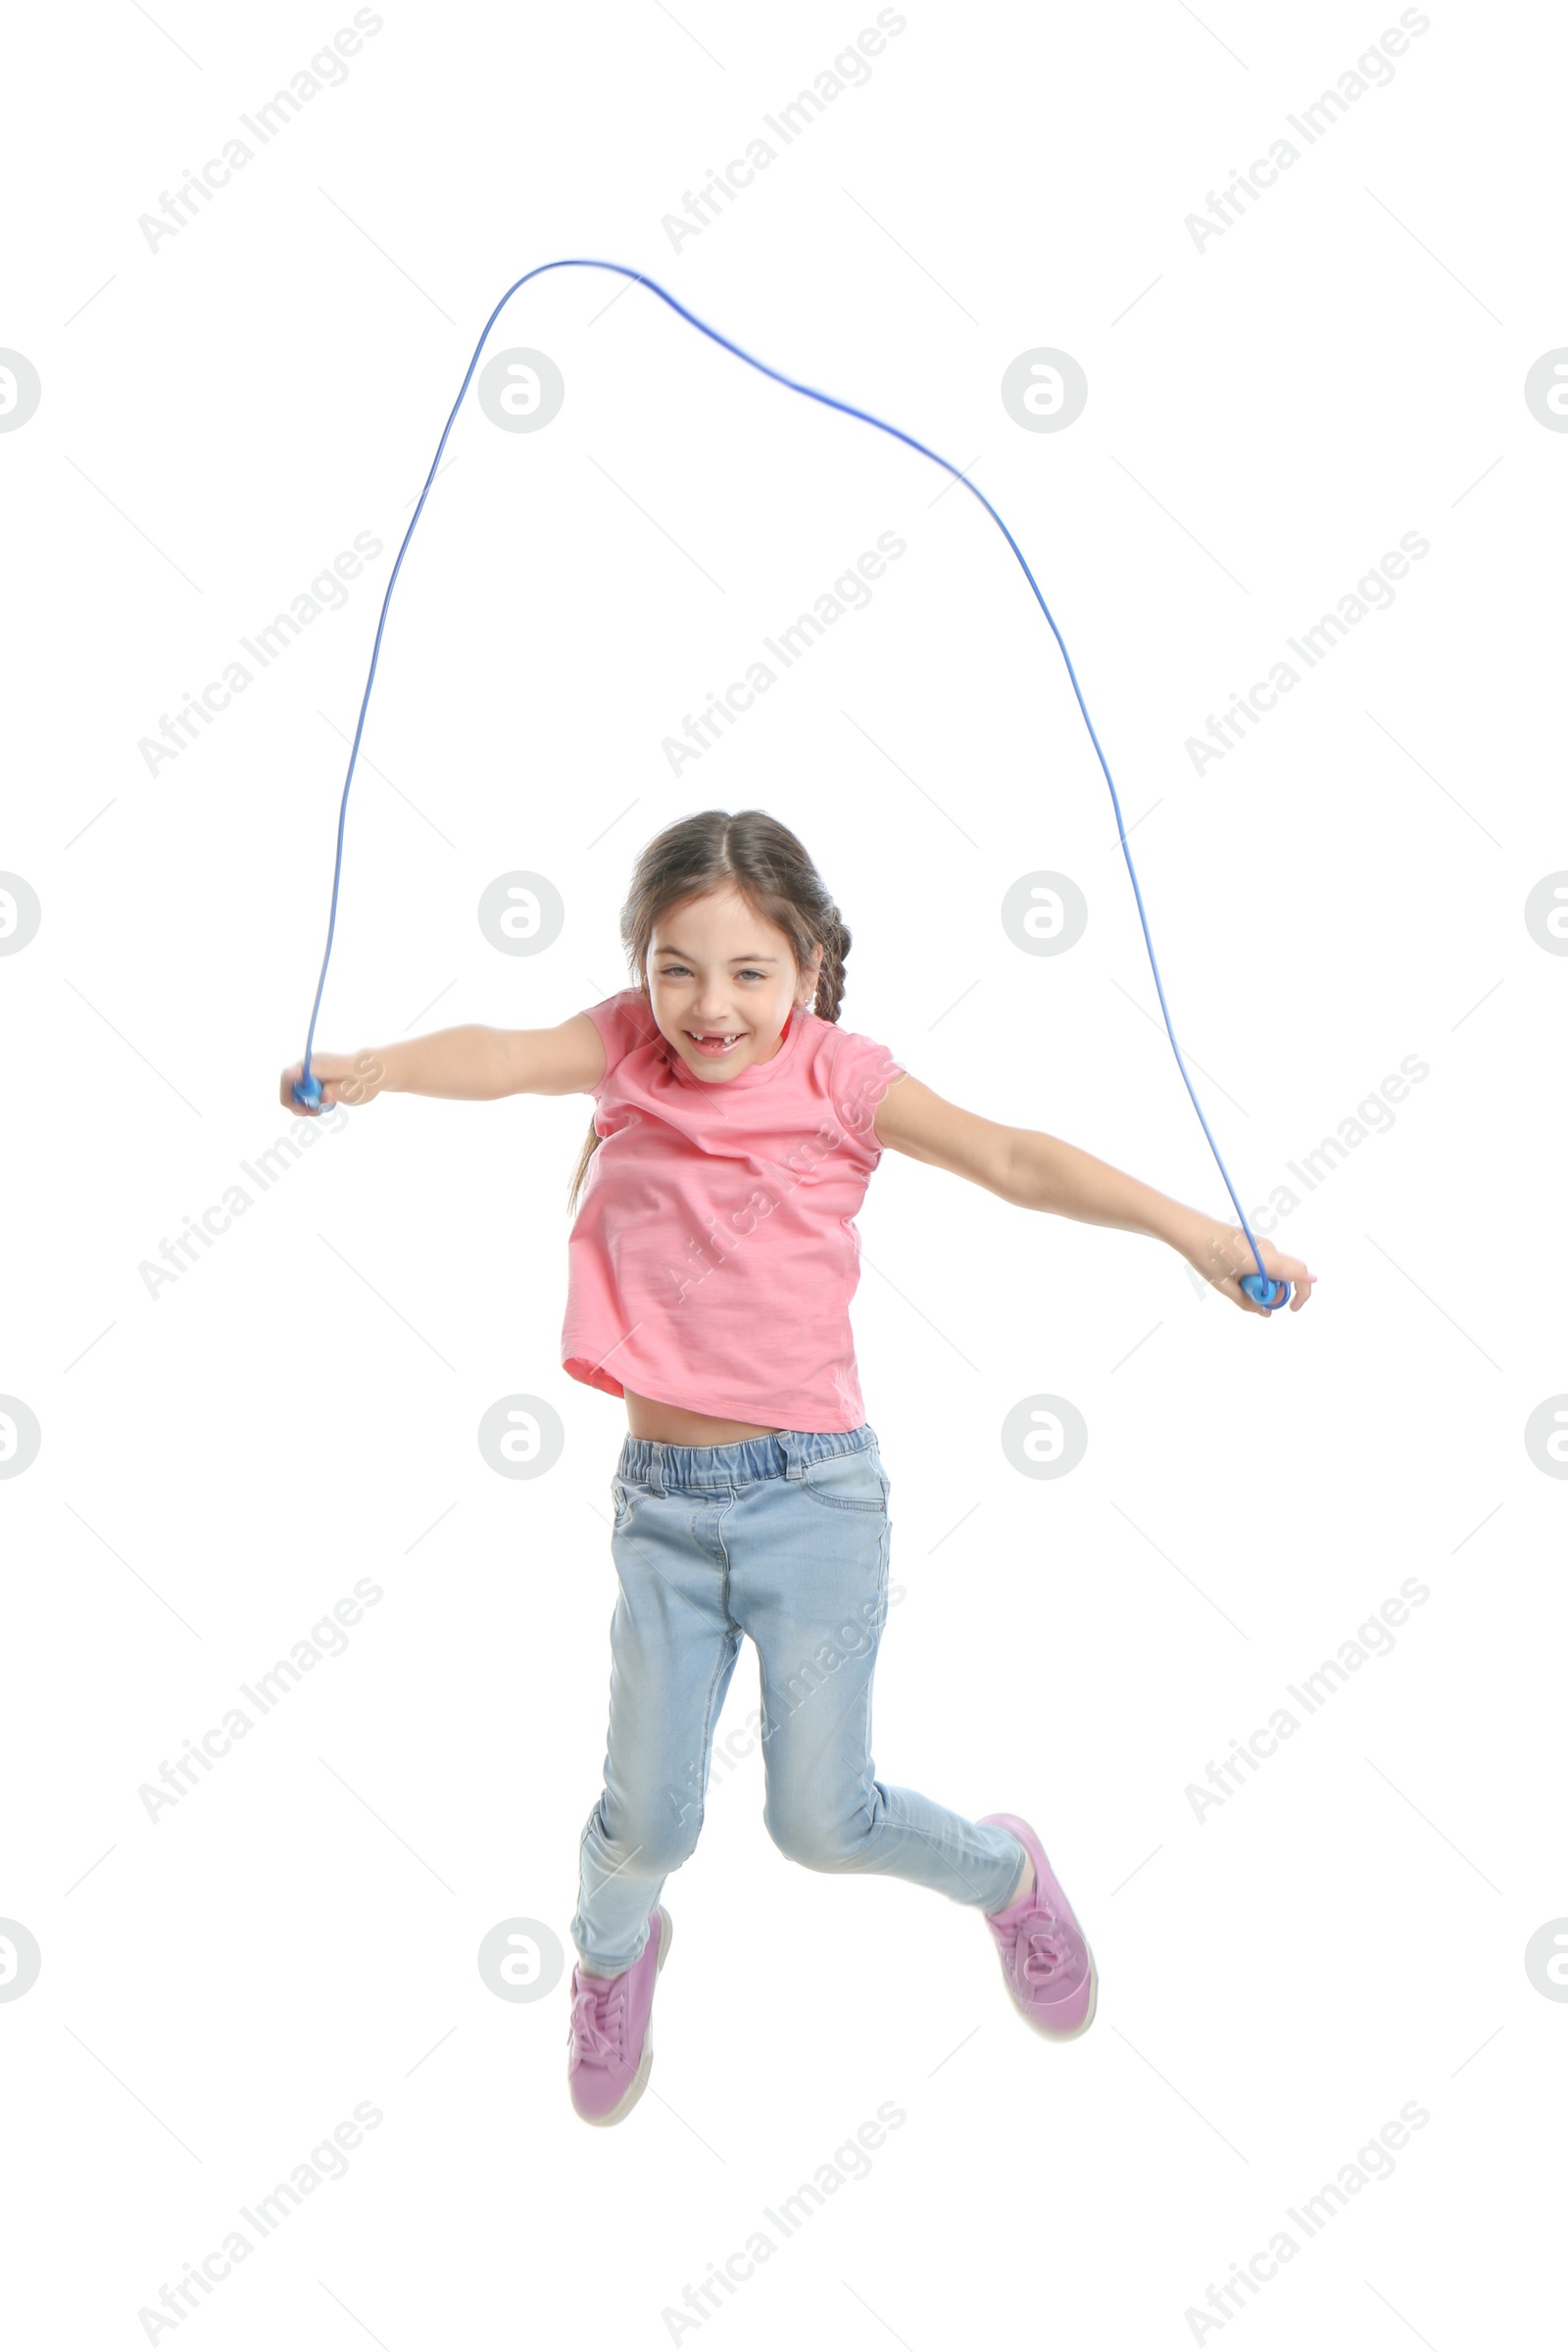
(710, 1269)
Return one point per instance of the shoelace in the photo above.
(1042, 1947)
(1039, 1953)
(598, 2022)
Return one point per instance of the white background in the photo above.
(219, 1462)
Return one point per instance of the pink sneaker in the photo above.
(609, 2050)
(1048, 1967)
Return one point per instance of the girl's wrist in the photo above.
(1186, 1230)
(374, 1072)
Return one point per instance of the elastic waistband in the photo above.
(784, 1454)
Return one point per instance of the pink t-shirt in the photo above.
(714, 1252)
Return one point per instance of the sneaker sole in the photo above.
(639, 2082)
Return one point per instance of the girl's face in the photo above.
(722, 982)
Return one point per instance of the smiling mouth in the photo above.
(715, 1041)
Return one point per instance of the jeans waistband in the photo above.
(784, 1454)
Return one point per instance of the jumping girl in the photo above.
(711, 1268)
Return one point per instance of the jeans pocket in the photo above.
(847, 1482)
(620, 1494)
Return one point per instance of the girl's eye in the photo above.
(676, 972)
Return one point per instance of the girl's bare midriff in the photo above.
(673, 1425)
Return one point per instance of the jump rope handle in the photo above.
(1263, 1288)
(307, 1091)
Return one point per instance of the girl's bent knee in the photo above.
(820, 1845)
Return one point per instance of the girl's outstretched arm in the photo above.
(1038, 1171)
(471, 1064)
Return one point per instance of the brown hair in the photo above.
(750, 852)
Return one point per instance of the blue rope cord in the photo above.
(846, 409)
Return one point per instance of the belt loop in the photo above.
(655, 1473)
(785, 1439)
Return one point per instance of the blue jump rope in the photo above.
(307, 1091)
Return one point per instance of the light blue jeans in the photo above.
(783, 1538)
